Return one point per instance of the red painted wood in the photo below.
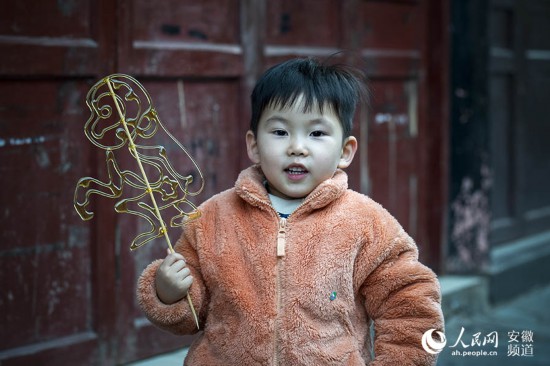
(297, 23)
(183, 38)
(48, 38)
(45, 257)
(55, 276)
(68, 287)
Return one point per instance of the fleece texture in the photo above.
(347, 263)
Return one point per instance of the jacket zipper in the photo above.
(281, 244)
(281, 238)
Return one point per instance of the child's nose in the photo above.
(297, 147)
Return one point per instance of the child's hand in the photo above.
(173, 279)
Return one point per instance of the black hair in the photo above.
(337, 86)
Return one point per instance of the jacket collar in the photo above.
(250, 187)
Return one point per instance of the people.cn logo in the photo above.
(431, 345)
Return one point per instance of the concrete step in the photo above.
(464, 295)
(518, 267)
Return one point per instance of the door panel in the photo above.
(49, 49)
(519, 62)
(45, 255)
(50, 38)
(183, 38)
(392, 138)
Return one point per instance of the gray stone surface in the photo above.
(529, 313)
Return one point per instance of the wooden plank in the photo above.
(46, 291)
(519, 62)
(181, 39)
(55, 313)
(49, 38)
(297, 23)
(71, 350)
(433, 135)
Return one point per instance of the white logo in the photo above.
(432, 346)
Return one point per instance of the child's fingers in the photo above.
(177, 266)
(173, 258)
(187, 282)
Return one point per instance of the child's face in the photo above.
(298, 150)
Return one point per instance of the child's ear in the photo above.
(348, 152)
(252, 147)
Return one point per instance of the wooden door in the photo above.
(68, 287)
(519, 65)
(54, 276)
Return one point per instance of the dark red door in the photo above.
(53, 274)
(68, 287)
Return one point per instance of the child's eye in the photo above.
(279, 132)
(318, 133)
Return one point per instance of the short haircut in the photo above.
(337, 86)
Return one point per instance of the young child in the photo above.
(290, 267)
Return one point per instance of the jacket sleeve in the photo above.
(402, 297)
(176, 318)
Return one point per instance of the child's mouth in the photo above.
(295, 172)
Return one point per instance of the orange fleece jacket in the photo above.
(346, 263)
